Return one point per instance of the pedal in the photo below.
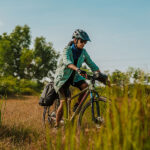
(53, 114)
(99, 120)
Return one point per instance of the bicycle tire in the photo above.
(92, 123)
(49, 112)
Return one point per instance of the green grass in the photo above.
(18, 134)
(127, 125)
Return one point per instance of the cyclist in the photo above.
(68, 71)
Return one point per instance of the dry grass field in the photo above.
(22, 124)
(127, 126)
(22, 127)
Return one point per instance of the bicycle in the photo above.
(98, 107)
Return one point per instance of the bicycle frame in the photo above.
(94, 100)
(88, 91)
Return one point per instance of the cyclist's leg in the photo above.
(59, 113)
(81, 85)
(63, 94)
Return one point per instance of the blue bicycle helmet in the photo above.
(80, 34)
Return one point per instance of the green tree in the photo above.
(11, 47)
(147, 78)
(26, 63)
(138, 75)
(119, 78)
(6, 57)
(45, 58)
(16, 59)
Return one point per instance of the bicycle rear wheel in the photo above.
(49, 113)
(89, 119)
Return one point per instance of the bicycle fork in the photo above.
(92, 107)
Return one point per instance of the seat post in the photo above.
(68, 108)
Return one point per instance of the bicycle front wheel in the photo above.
(91, 118)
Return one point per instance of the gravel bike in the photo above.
(89, 114)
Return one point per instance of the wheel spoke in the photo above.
(85, 116)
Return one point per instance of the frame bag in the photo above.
(48, 95)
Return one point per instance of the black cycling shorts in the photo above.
(64, 91)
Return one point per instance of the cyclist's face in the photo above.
(81, 43)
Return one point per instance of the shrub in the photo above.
(10, 86)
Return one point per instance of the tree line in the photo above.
(19, 63)
(22, 68)
(18, 60)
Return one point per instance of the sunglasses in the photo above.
(83, 41)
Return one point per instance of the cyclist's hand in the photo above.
(101, 77)
(82, 73)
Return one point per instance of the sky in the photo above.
(119, 30)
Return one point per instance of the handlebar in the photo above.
(96, 76)
(93, 78)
